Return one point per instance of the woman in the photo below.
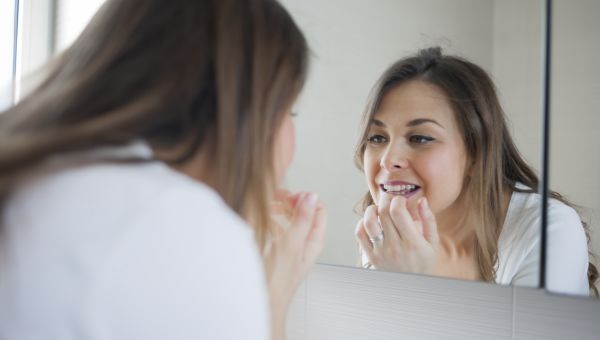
(449, 194)
(131, 176)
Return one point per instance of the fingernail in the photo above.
(310, 199)
(424, 202)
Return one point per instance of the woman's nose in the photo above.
(394, 158)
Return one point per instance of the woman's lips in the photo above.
(399, 188)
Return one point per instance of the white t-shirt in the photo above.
(519, 246)
(127, 251)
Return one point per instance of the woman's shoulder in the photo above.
(522, 223)
(525, 206)
(133, 231)
(520, 239)
(111, 200)
(98, 181)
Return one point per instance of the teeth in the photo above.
(399, 188)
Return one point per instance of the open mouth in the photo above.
(405, 190)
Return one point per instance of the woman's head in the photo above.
(449, 133)
(414, 148)
(216, 77)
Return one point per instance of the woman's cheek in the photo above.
(371, 168)
(285, 147)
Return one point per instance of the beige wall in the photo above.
(517, 71)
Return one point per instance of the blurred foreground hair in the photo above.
(215, 76)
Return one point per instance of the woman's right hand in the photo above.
(393, 239)
(292, 252)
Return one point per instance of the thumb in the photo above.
(316, 236)
(303, 216)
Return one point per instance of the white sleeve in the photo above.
(181, 272)
(567, 252)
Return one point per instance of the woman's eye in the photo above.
(376, 139)
(419, 139)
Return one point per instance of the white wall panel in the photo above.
(540, 315)
(349, 303)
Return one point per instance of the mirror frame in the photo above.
(544, 176)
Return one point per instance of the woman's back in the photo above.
(139, 251)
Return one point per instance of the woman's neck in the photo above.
(456, 227)
(458, 241)
(457, 256)
(194, 167)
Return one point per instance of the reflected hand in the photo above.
(394, 240)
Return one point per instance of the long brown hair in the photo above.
(497, 164)
(215, 75)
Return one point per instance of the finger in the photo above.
(281, 202)
(403, 221)
(383, 211)
(363, 240)
(282, 194)
(288, 200)
(277, 208)
(430, 231)
(316, 237)
(293, 200)
(319, 224)
(413, 209)
(303, 216)
(371, 223)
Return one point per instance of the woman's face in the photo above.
(414, 148)
(285, 146)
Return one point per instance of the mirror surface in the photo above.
(574, 144)
(354, 41)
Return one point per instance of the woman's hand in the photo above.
(293, 251)
(393, 239)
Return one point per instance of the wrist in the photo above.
(278, 321)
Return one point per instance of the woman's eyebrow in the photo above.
(420, 121)
(378, 123)
(412, 123)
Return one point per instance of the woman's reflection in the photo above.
(449, 194)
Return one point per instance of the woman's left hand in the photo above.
(292, 251)
(394, 240)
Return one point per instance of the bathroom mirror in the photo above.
(574, 162)
(354, 41)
